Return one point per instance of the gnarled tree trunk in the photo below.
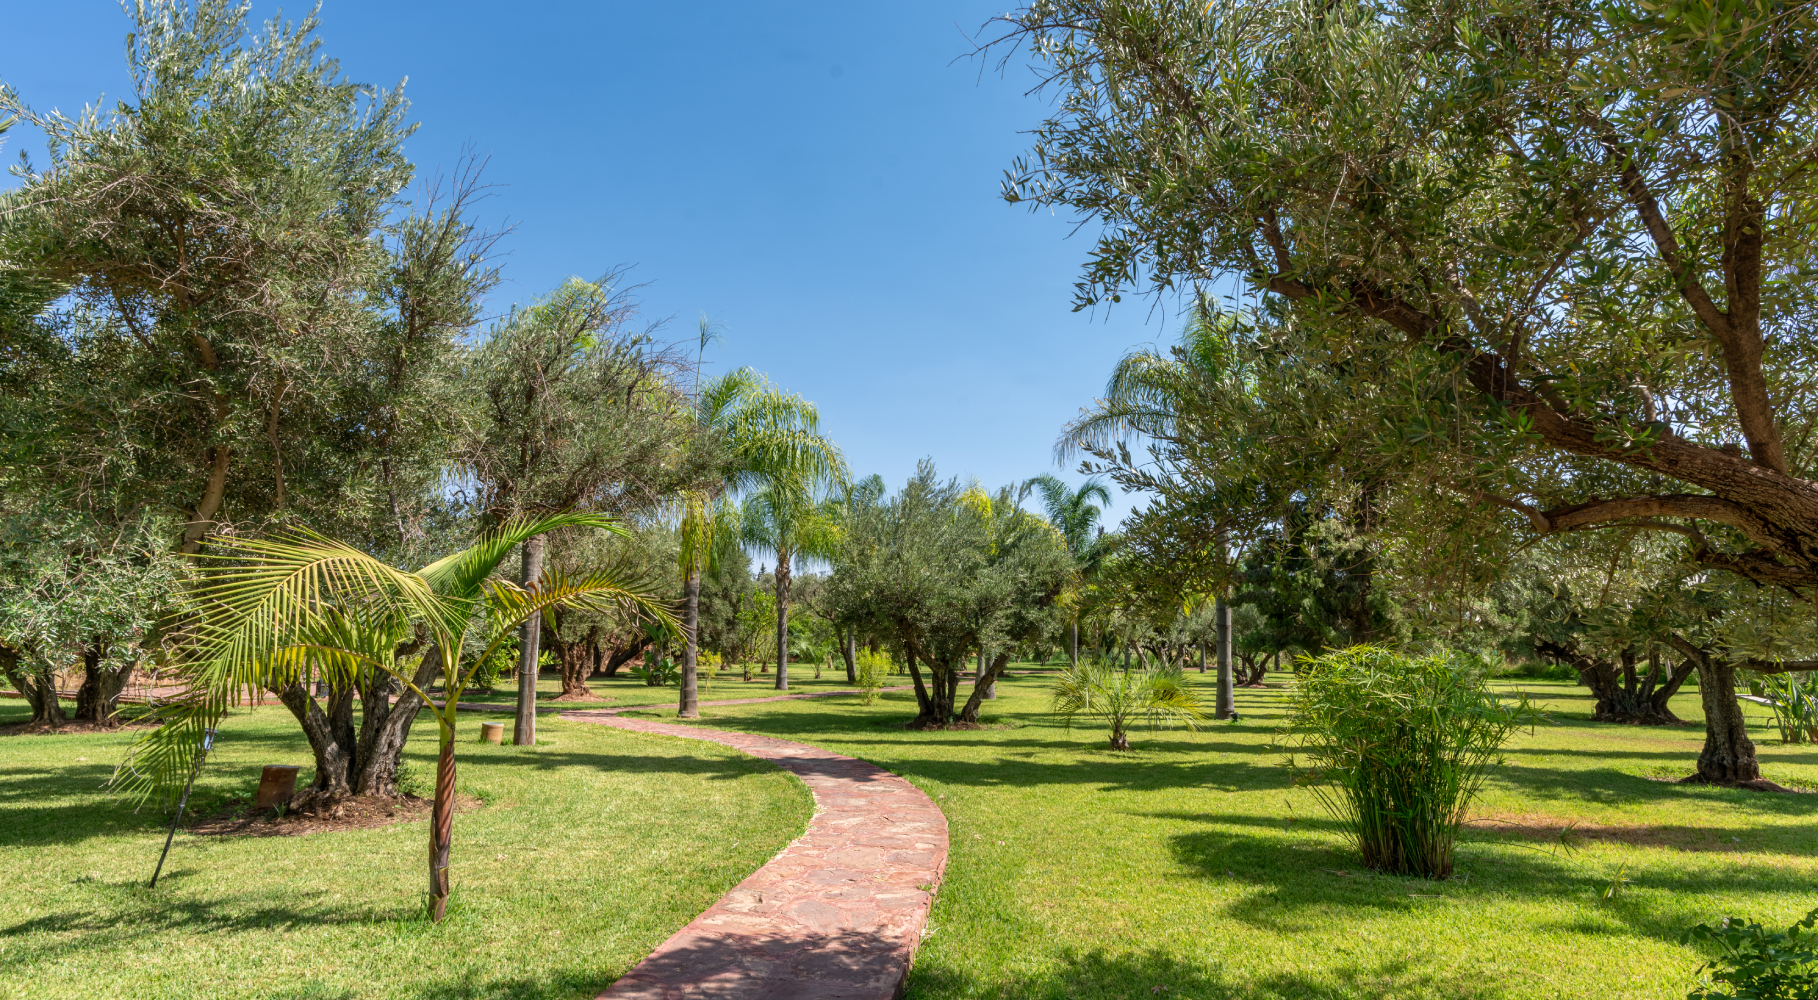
(333, 749)
(982, 689)
(1728, 757)
(1622, 694)
(98, 699)
(39, 686)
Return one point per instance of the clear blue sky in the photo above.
(820, 178)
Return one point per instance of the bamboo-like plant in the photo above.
(263, 613)
(1155, 695)
(1397, 747)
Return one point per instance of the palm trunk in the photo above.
(441, 822)
(849, 650)
(524, 731)
(1227, 705)
(782, 619)
(1073, 644)
(690, 707)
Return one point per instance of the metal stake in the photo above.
(208, 743)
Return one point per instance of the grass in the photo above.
(1189, 867)
(627, 689)
(590, 849)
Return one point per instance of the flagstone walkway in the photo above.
(837, 915)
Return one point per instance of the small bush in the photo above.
(487, 672)
(1397, 747)
(663, 674)
(1541, 670)
(1757, 964)
(871, 669)
(1794, 700)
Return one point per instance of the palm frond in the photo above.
(465, 572)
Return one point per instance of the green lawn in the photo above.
(589, 850)
(1189, 867)
(1186, 868)
(627, 689)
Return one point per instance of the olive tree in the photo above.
(1559, 247)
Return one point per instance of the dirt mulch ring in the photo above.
(72, 728)
(358, 812)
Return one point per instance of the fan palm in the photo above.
(264, 613)
(1156, 694)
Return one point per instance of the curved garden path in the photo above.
(837, 914)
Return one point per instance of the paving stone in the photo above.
(836, 915)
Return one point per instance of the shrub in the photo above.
(1757, 964)
(871, 669)
(1794, 699)
(663, 674)
(1397, 747)
(487, 672)
(1120, 697)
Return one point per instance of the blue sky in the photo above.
(820, 178)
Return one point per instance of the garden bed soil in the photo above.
(355, 812)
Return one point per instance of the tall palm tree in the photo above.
(786, 518)
(776, 448)
(264, 613)
(1076, 517)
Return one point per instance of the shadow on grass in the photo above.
(1099, 975)
(133, 917)
(1298, 880)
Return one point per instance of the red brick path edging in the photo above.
(837, 914)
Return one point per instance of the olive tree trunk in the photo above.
(98, 699)
(39, 686)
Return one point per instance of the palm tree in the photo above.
(785, 517)
(1119, 697)
(1075, 516)
(776, 447)
(264, 613)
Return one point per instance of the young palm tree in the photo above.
(785, 518)
(1075, 516)
(775, 442)
(1099, 689)
(264, 613)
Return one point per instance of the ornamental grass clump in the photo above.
(1397, 747)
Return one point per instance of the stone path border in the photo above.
(837, 915)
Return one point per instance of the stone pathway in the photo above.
(836, 915)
